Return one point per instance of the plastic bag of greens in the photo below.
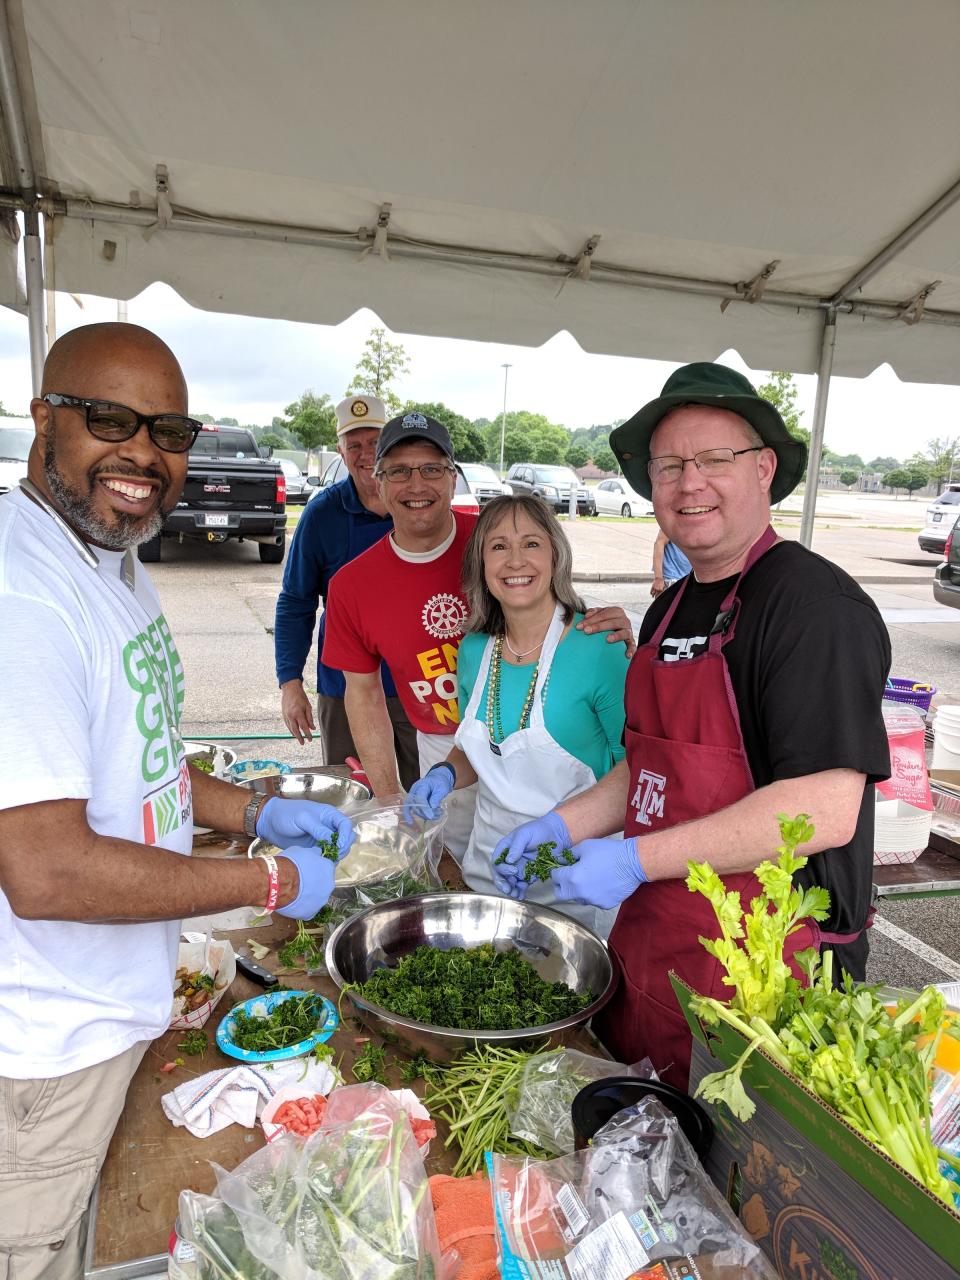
(636, 1203)
(539, 1111)
(351, 1203)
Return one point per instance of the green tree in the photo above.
(848, 478)
(917, 478)
(897, 479)
(204, 417)
(883, 465)
(380, 364)
(577, 456)
(547, 441)
(605, 460)
(312, 421)
(781, 391)
(469, 444)
(943, 453)
(270, 440)
(227, 422)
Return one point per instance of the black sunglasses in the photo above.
(171, 432)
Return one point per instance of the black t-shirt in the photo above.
(808, 663)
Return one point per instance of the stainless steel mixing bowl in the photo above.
(558, 947)
(219, 756)
(325, 786)
(379, 852)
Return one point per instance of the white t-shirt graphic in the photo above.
(92, 689)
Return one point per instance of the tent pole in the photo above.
(19, 146)
(828, 342)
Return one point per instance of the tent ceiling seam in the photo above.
(405, 246)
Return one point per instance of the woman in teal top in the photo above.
(541, 703)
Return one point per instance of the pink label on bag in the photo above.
(908, 779)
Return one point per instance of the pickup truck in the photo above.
(233, 490)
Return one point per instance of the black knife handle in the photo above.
(256, 972)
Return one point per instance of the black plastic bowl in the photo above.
(600, 1101)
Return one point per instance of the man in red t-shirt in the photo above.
(401, 602)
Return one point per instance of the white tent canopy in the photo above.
(661, 178)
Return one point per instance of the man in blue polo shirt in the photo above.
(336, 526)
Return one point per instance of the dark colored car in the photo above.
(553, 485)
(232, 491)
(946, 582)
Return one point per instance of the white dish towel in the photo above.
(237, 1095)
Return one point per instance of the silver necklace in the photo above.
(525, 651)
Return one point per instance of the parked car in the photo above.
(463, 497)
(483, 481)
(615, 497)
(298, 488)
(15, 441)
(232, 491)
(946, 582)
(553, 485)
(940, 517)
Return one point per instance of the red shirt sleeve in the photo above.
(344, 646)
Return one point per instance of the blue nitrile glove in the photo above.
(300, 824)
(605, 874)
(316, 882)
(521, 848)
(428, 793)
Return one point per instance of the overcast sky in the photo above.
(250, 369)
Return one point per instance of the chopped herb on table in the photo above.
(194, 1043)
(301, 951)
(202, 763)
(480, 989)
(288, 1023)
(370, 1064)
(539, 868)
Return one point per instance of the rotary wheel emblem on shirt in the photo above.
(444, 615)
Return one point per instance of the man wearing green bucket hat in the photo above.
(755, 691)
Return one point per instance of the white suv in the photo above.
(940, 520)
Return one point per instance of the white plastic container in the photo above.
(946, 738)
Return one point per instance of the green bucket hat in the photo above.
(723, 388)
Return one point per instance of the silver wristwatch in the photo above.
(251, 813)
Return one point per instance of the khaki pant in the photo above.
(54, 1136)
(337, 741)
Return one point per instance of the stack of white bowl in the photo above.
(901, 832)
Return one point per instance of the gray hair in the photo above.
(486, 615)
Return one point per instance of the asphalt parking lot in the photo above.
(219, 601)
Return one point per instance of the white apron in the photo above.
(531, 775)
(459, 805)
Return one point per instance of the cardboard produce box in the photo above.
(823, 1203)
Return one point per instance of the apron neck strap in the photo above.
(724, 625)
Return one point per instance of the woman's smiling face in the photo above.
(518, 562)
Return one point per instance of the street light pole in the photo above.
(503, 416)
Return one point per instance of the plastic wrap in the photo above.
(635, 1203)
(351, 1203)
(539, 1112)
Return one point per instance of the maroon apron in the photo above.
(686, 760)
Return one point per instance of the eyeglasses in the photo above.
(400, 472)
(709, 462)
(171, 432)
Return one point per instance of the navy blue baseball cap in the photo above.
(413, 426)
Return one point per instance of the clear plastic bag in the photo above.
(396, 854)
(351, 1203)
(539, 1111)
(633, 1204)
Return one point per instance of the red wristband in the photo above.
(273, 885)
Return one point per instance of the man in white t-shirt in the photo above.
(97, 802)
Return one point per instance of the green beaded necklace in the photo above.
(494, 719)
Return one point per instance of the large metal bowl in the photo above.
(379, 852)
(325, 786)
(558, 947)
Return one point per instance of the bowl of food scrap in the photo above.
(444, 971)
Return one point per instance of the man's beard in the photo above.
(124, 530)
